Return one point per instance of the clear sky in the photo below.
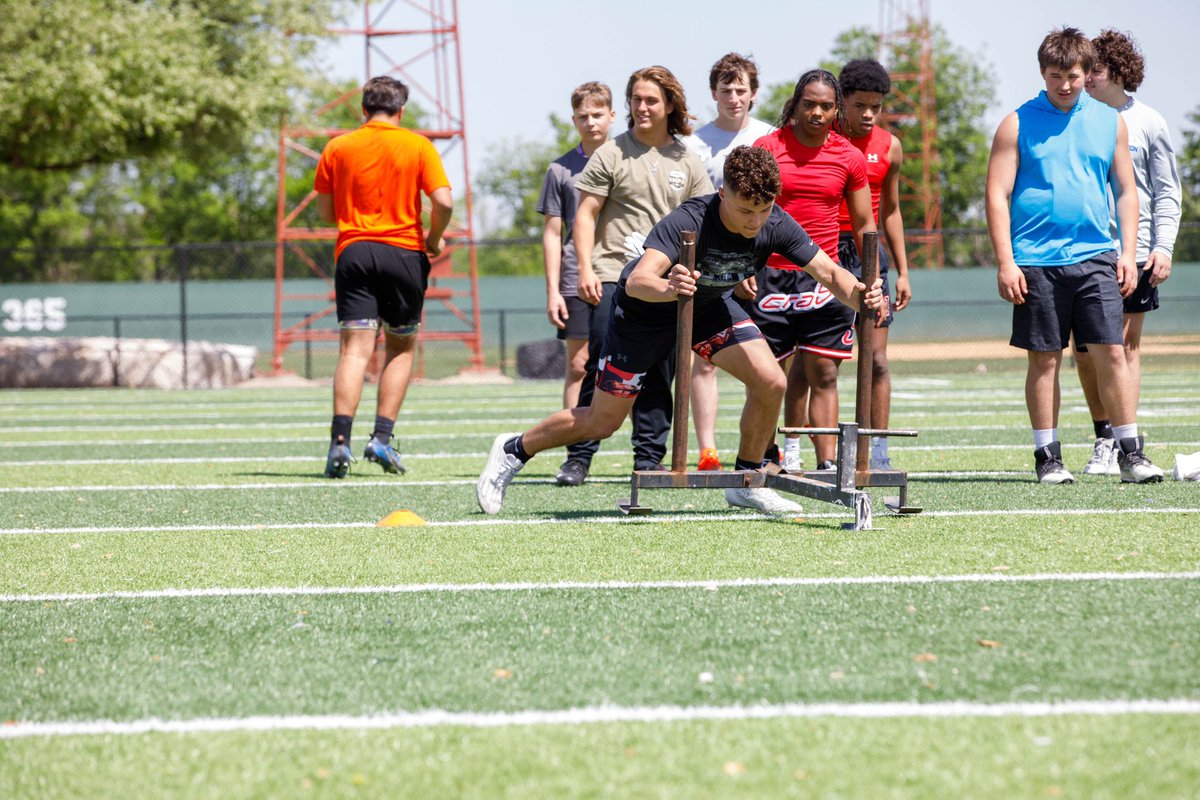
(521, 59)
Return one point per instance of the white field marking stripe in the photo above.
(493, 424)
(489, 522)
(397, 483)
(418, 456)
(457, 435)
(702, 516)
(437, 718)
(590, 586)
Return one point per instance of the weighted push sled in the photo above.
(844, 486)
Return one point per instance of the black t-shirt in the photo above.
(723, 257)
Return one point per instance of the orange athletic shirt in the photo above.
(376, 175)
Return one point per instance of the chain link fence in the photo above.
(195, 297)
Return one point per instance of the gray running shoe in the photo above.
(761, 499)
(337, 463)
(1135, 467)
(384, 455)
(1049, 465)
(826, 466)
(499, 471)
(1104, 459)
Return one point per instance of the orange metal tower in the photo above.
(418, 43)
(906, 46)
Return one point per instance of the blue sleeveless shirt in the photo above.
(1060, 201)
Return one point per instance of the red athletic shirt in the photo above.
(874, 146)
(376, 175)
(815, 179)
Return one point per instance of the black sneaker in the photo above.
(1049, 465)
(826, 466)
(571, 473)
(772, 455)
(1135, 467)
(649, 466)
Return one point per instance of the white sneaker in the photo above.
(497, 474)
(792, 462)
(1104, 459)
(1135, 467)
(881, 463)
(761, 499)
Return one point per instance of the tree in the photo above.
(963, 95)
(511, 180)
(1187, 248)
(95, 82)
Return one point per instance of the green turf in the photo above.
(118, 487)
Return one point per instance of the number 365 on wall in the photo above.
(34, 314)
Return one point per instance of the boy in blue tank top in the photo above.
(1052, 163)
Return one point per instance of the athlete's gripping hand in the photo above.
(875, 300)
(681, 281)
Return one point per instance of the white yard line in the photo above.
(481, 454)
(591, 586)
(437, 718)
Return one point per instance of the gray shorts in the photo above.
(1083, 299)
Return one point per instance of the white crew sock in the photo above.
(1044, 436)
(791, 446)
(1125, 431)
(879, 449)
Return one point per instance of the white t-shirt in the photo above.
(713, 144)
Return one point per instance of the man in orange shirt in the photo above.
(370, 182)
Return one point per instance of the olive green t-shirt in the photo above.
(641, 185)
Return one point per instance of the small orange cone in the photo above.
(399, 519)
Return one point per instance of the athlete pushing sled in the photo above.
(738, 228)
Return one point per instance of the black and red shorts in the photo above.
(641, 334)
(796, 313)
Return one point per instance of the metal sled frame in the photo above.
(844, 486)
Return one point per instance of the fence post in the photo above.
(503, 341)
(308, 351)
(181, 264)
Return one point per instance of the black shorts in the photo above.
(376, 281)
(1145, 297)
(848, 258)
(578, 313)
(641, 334)
(794, 312)
(1081, 299)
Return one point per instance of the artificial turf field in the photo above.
(187, 608)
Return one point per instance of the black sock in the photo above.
(341, 428)
(383, 429)
(516, 447)
(741, 465)
(1103, 428)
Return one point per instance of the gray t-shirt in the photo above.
(559, 198)
(1157, 177)
(641, 185)
(713, 145)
